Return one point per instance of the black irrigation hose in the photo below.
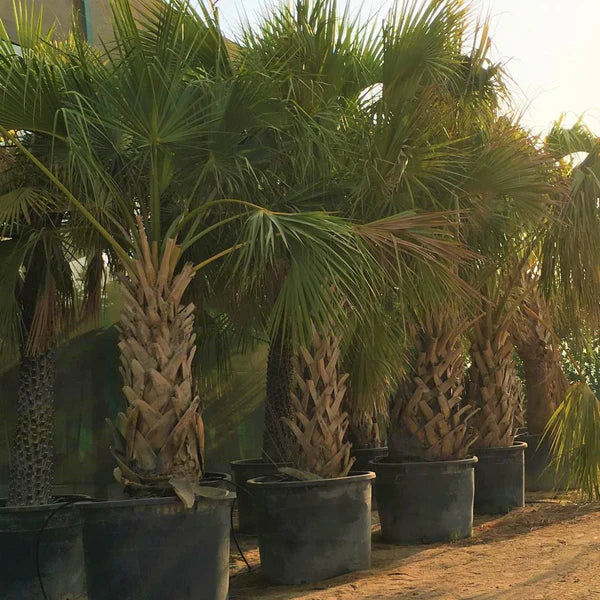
(63, 504)
(237, 544)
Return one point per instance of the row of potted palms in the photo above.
(355, 193)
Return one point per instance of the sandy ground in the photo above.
(549, 550)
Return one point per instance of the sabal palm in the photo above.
(560, 251)
(470, 159)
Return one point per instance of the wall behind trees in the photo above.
(60, 13)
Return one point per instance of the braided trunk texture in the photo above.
(320, 423)
(32, 449)
(363, 431)
(494, 385)
(429, 420)
(162, 431)
(545, 380)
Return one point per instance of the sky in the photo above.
(550, 49)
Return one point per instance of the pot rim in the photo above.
(4, 508)
(354, 476)
(215, 475)
(379, 462)
(243, 462)
(356, 451)
(157, 501)
(517, 445)
(526, 434)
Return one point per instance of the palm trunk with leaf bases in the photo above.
(363, 430)
(32, 450)
(429, 420)
(494, 385)
(162, 429)
(320, 423)
(278, 442)
(545, 380)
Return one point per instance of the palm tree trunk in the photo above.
(32, 449)
(545, 381)
(162, 428)
(363, 431)
(494, 385)
(429, 420)
(319, 424)
(278, 442)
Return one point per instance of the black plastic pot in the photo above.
(60, 551)
(242, 471)
(539, 475)
(363, 458)
(425, 502)
(155, 548)
(313, 530)
(499, 479)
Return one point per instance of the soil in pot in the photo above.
(313, 530)
(499, 479)
(60, 553)
(155, 548)
(243, 470)
(425, 502)
(539, 474)
(363, 457)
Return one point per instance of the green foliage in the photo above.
(243, 152)
(574, 433)
(583, 358)
(569, 260)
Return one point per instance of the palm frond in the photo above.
(574, 434)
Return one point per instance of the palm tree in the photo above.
(568, 283)
(322, 60)
(43, 296)
(332, 67)
(559, 269)
(449, 149)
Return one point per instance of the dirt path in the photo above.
(550, 550)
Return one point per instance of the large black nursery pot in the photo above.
(363, 458)
(499, 479)
(49, 536)
(243, 470)
(313, 530)
(425, 502)
(155, 548)
(539, 473)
